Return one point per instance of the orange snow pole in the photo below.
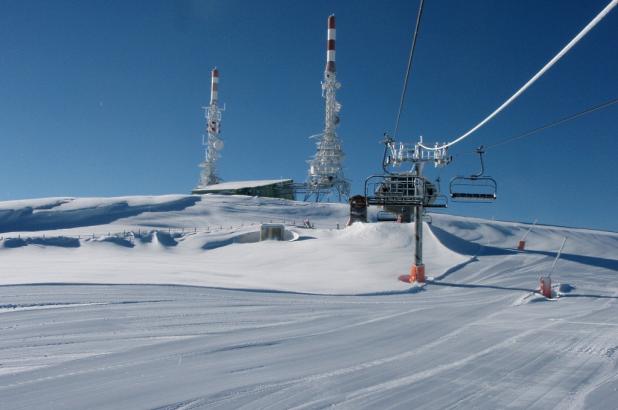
(417, 273)
(522, 243)
(545, 286)
(545, 281)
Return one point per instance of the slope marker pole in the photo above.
(545, 281)
(522, 243)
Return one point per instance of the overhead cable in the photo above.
(547, 66)
(554, 123)
(409, 68)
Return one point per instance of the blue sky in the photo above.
(103, 98)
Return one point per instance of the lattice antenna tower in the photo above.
(325, 176)
(212, 142)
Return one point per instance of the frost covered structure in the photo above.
(213, 143)
(325, 176)
(203, 315)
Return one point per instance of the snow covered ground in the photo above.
(168, 302)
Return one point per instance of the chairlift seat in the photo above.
(476, 188)
(473, 188)
(470, 195)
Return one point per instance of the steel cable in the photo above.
(554, 123)
(547, 66)
(409, 68)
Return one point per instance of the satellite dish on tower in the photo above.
(218, 145)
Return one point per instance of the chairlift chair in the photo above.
(386, 216)
(474, 188)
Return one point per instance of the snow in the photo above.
(171, 302)
(243, 184)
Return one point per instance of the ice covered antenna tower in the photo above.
(325, 175)
(212, 142)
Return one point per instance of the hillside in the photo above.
(169, 302)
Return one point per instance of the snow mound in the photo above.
(213, 241)
(126, 242)
(159, 239)
(62, 213)
(247, 237)
(60, 241)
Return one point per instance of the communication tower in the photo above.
(212, 142)
(325, 176)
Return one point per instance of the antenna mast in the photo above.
(325, 174)
(213, 143)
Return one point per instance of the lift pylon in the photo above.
(407, 193)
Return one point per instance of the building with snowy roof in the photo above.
(272, 188)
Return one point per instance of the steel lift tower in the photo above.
(213, 143)
(325, 176)
(408, 191)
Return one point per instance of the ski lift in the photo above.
(474, 188)
(386, 216)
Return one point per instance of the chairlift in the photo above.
(386, 216)
(474, 188)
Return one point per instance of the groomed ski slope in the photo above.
(167, 302)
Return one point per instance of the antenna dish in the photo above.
(218, 145)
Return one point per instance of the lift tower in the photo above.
(408, 191)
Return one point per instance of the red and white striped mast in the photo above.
(214, 86)
(331, 37)
(325, 168)
(213, 143)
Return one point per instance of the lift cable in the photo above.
(555, 123)
(547, 66)
(409, 68)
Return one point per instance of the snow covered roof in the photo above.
(242, 184)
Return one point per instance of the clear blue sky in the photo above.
(102, 98)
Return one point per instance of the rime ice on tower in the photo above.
(213, 143)
(325, 175)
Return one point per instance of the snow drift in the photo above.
(92, 314)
